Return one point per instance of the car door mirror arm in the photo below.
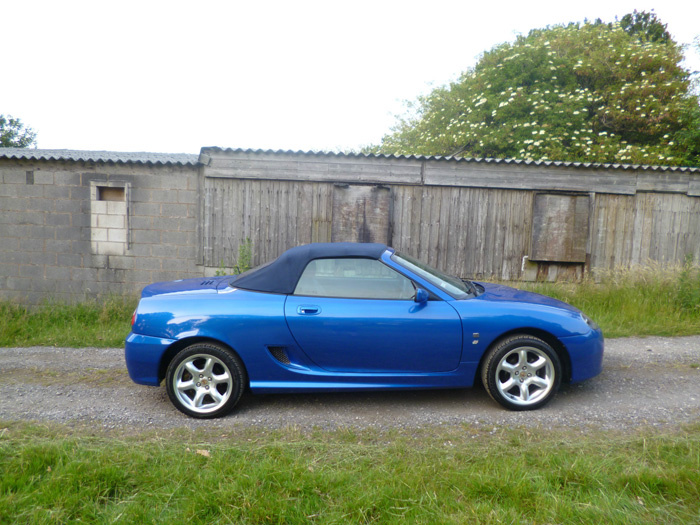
(421, 296)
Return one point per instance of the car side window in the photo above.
(354, 278)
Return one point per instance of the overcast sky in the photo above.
(170, 76)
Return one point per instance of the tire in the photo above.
(521, 372)
(205, 381)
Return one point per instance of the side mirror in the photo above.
(421, 296)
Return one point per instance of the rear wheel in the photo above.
(205, 380)
(522, 372)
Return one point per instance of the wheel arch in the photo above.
(178, 345)
(547, 337)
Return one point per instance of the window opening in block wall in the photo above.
(105, 193)
(109, 217)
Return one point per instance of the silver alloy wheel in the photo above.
(525, 375)
(203, 383)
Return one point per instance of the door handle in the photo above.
(308, 310)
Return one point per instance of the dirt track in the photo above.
(646, 382)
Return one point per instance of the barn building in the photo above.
(84, 224)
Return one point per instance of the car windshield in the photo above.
(453, 286)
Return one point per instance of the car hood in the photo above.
(199, 285)
(499, 292)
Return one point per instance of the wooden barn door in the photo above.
(361, 214)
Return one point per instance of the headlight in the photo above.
(590, 322)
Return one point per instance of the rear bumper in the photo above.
(143, 356)
(586, 354)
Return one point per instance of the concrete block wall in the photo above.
(48, 250)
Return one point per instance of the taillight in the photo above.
(133, 318)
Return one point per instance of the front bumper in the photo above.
(586, 354)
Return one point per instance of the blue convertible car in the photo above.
(345, 316)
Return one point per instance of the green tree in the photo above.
(14, 134)
(645, 26)
(588, 92)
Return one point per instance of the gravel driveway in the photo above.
(646, 382)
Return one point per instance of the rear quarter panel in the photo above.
(244, 321)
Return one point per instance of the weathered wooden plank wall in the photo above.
(468, 219)
(632, 230)
(463, 231)
(275, 215)
(299, 167)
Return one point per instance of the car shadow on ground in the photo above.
(454, 397)
(392, 408)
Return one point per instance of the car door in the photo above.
(358, 315)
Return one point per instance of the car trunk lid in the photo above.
(200, 285)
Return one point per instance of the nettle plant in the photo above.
(244, 260)
(589, 92)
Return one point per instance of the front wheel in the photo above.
(205, 380)
(522, 373)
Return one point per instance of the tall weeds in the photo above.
(653, 299)
(645, 300)
(102, 323)
(689, 285)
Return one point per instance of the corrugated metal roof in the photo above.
(114, 157)
(560, 164)
(186, 159)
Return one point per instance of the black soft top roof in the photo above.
(281, 275)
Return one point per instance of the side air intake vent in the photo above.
(279, 353)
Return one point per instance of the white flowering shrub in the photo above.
(587, 92)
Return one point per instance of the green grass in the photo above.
(102, 324)
(437, 475)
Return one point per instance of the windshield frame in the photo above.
(452, 286)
